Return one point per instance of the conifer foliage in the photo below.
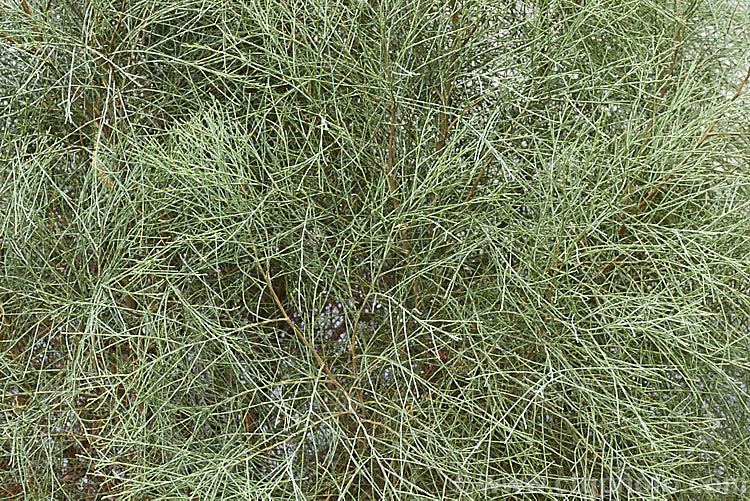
(374, 249)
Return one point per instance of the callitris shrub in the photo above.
(363, 249)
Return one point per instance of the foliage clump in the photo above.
(355, 249)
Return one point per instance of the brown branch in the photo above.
(724, 111)
(445, 127)
(391, 182)
(659, 98)
(623, 229)
(357, 319)
(27, 10)
(296, 330)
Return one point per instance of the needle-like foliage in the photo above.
(355, 249)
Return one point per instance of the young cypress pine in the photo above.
(374, 249)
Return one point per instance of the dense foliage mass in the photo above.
(355, 249)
